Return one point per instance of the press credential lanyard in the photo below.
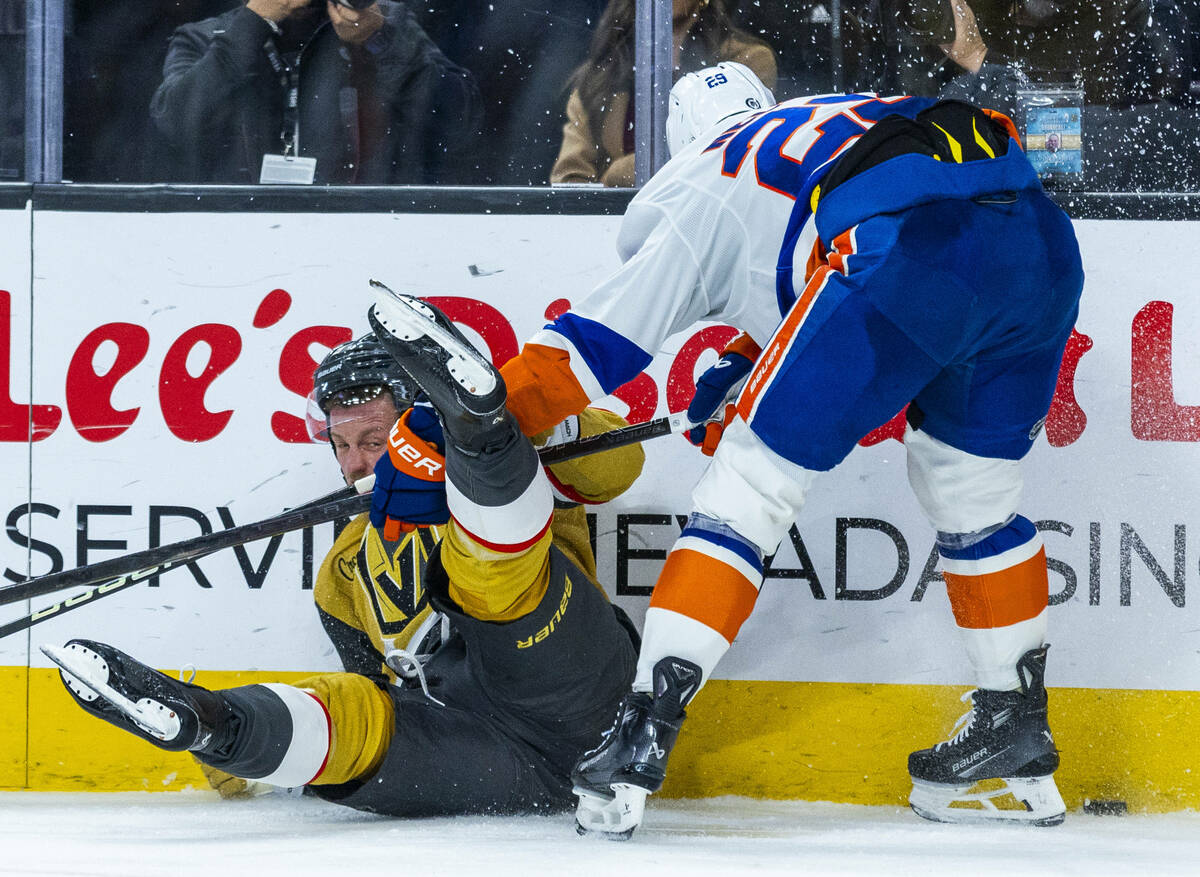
(288, 168)
(289, 79)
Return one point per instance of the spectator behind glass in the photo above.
(1123, 52)
(1135, 136)
(12, 90)
(377, 101)
(598, 137)
(520, 53)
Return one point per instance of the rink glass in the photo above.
(96, 63)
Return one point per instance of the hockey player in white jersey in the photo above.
(883, 252)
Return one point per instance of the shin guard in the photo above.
(706, 591)
(998, 589)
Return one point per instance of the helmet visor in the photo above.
(315, 419)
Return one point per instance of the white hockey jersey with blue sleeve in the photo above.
(702, 239)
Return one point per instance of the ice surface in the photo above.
(196, 833)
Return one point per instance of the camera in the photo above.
(355, 4)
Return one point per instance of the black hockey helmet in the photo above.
(351, 374)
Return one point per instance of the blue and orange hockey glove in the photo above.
(410, 479)
(712, 406)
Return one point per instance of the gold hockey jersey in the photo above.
(369, 591)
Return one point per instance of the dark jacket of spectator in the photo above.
(12, 90)
(392, 111)
(1122, 52)
(520, 52)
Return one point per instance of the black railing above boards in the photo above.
(176, 198)
(468, 200)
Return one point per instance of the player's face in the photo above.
(359, 434)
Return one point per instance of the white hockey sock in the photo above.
(994, 652)
(668, 633)
(308, 748)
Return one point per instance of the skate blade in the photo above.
(612, 818)
(86, 672)
(408, 319)
(1020, 800)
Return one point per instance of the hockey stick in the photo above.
(129, 569)
(152, 561)
(615, 438)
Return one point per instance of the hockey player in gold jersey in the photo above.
(481, 654)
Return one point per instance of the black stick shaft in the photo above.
(81, 599)
(153, 561)
(119, 573)
(606, 441)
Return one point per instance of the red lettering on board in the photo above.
(19, 423)
(1155, 416)
(181, 394)
(89, 393)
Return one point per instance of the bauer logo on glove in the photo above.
(407, 457)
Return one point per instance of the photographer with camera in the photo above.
(1125, 63)
(932, 47)
(1122, 52)
(310, 91)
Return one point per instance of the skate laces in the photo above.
(188, 671)
(409, 666)
(964, 724)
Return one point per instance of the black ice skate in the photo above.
(613, 780)
(461, 384)
(1004, 748)
(112, 686)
